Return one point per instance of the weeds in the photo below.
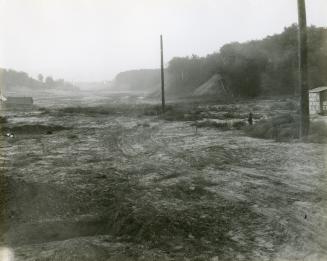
(285, 128)
(318, 132)
(3, 119)
(238, 125)
(280, 128)
(222, 125)
(289, 105)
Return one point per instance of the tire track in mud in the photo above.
(166, 140)
(161, 150)
(39, 202)
(36, 212)
(279, 190)
(51, 229)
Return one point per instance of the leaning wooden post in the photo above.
(303, 70)
(162, 77)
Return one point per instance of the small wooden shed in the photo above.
(318, 100)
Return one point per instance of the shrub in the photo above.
(280, 128)
(318, 132)
(288, 105)
(3, 119)
(231, 115)
(212, 124)
(285, 128)
(238, 124)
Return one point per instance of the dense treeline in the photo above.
(261, 67)
(137, 80)
(13, 80)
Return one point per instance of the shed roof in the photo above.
(319, 89)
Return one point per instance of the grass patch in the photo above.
(222, 125)
(280, 128)
(114, 109)
(318, 132)
(288, 105)
(3, 119)
(92, 111)
(232, 115)
(238, 124)
(286, 128)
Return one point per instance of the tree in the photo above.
(303, 69)
(162, 76)
(40, 77)
(242, 66)
(49, 81)
(262, 67)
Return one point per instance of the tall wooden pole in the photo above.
(162, 77)
(303, 70)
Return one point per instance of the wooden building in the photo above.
(318, 100)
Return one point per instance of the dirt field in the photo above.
(117, 184)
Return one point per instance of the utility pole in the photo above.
(162, 77)
(303, 70)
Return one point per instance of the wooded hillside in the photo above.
(11, 80)
(261, 67)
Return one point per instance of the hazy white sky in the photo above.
(87, 40)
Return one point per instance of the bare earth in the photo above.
(127, 187)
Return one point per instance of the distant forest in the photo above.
(11, 80)
(138, 80)
(260, 67)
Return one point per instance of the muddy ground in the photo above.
(110, 183)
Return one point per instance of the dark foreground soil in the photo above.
(79, 184)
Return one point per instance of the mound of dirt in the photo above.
(212, 88)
